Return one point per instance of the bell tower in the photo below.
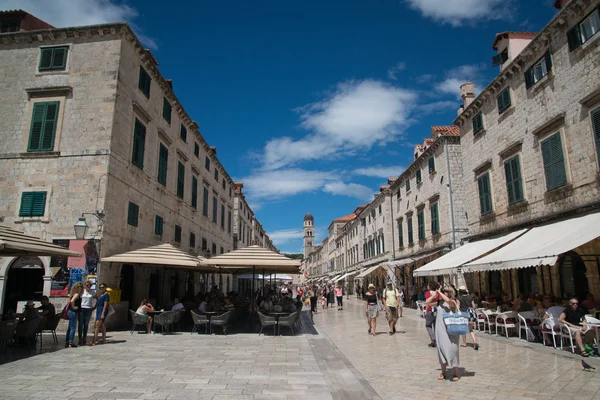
(309, 234)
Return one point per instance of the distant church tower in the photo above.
(309, 234)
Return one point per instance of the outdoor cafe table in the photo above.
(277, 315)
(154, 313)
(596, 327)
(209, 315)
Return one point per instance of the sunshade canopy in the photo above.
(541, 245)
(468, 252)
(255, 256)
(15, 244)
(410, 260)
(369, 270)
(162, 254)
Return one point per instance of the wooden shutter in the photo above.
(59, 59)
(529, 78)
(183, 136)
(574, 37)
(45, 59)
(596, 128)
(163, 161)
(39, 204)
(139, 144)
(132, 214)
(158, 225)
(49, 126)
(410, 231)
(26, 204)
(37, 124)
(509, 182)
(480, 186)
(180, 179)
(194, 192)
(400, 236)
(548, 59)
(205, 203)
(167, 110)
(554, 166)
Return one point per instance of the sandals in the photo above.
(441, 377)
(455, 378)
(584, 354)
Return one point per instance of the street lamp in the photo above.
(81, 225)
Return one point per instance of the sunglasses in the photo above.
(574, 303)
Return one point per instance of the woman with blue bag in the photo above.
(450, 323)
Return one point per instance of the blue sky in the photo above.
(313, 104)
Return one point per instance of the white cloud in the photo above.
(459, 75)
(285, 235)
(271, 185)
(355, 190)
(356, 116)
(458, 12)
(64, 13)
(393, 72)
(380, 171)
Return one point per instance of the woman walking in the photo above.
(74, 308)
(339, 295)
(447, 345)
(371, 309)
(101, 312)
(87, 306)
(313, 295)
(466, 302)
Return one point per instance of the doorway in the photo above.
(126, 284)
(25, 281)
(573, 281)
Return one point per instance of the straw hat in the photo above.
(30, 303)
(371, 286)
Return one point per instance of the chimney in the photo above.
(467, 92)
(560, 4)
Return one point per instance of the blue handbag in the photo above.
(456, 323)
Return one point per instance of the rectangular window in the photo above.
(207, 163)
(215, 210)
(139, 143)
(554, 162)
(596, 129)
(228, 221)
(216, 175)
(431, 164)
(223, 184)
(421, 224)
(221, 250)
(158, 225)
(163, 161)
(380, 209)
(504, 100)
(194, 192)
(144, 82)
(204, 244)
(205, 202)
(178, 233)
(583, 31)
(229, 191)
(33, 204)
(183, 135)
(400, 234)
(180, 179)
(408, 185)
(196, 149)
(167, 111)
(435, 219)
(192, 240)
(538, 70)
(133, 213)
(478, 122)
(514, 184)
(485, 194)
(409, 230)
(418, 176)
(223, 216)
(43, 126)
(214, 249)
(53, 58)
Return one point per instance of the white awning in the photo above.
(369, 270)
(541, 245)
(345, 276)
(334, 279)
(468, 252)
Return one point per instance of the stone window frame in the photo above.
(38, 97)
(65, 71)
(47, 217)
(542, 138)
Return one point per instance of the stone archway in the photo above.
(24, 281)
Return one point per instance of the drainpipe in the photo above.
(449, 186)
(393, 238)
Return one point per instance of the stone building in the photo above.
(91, 128)
(530, 154)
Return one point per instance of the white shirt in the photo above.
(87, 299)
(178, 307)
(141, 311)
(202, 307)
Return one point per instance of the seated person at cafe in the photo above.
(573, 316)
(203, 307)
(29, 313)
(177, 305)
(144, 308)
(521, 305)
(266, 304)
(589, 303)
(47, 310)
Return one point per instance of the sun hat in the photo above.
(389, 282)
(30, 303)
(462, 288)
(371, 285)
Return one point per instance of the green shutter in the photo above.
(139, 144)
(33, 204)
(183, 136)
(167, 110)
(529, 80)
(215, 210)
(158, 225)
(26, 204)
(177, 233)
(574, 37)
(53, 58)
(514, 186)
(205, 203)
(435, 222)
(45, 59)
(548, 58)
(180, 179)
(59, 59)
(485, 195)
(163, 162)
(596, 129)
(418, 176)
(133, 214)
(554, 162)
(421, 224)
(192, 240)
(431, 164)
(144, 82)
(400, 235)
(504, 101)
(410, 231)
(223, 216)
(408, 185)
(194, 192)
(43, 126)
(477, 122)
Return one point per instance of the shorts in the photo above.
(391, 315)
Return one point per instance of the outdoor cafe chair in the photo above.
(165, 320)
(137, 320)
(528, 322)
(266, 321)
(177, 317)
(52, 327)
(490, 320)
(40, 328)
(221, 320)
(287, 321)
(566, 334)
(506, 320)
(7, 332)
(199, 320)
(28, 331)
(549, 326)
(481, 319)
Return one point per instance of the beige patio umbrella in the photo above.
(162, 254)
(15, 244)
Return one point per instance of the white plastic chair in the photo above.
(421, 308)
(592, 320)
(549, 326)
(481, 319)
(528, 320)
(566, 332)
(506, 320)
(490, 319)
(555, 312)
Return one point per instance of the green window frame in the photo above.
(228, 221)
(485, 194)
(421, 223)
(144, 82)
(192, 240)
(216, 175)
(554, 162)
(33, 204)
(584, 30)
(178, 233)
(139, 144)
(194, 192)
(163, 162)
(596, 129)
(183, 135)
(408, 185)
(478, 122)
(538, 70)
(504, 100)
(409, 229)
(215, 210)
(514, 181)
(167, 111)
(418, 177)
(431, 164)
(53, 58)
(180, 179)
(207, 163)
(43, 126)
(133, 214)
(158, 225)
(435, 218)
(196, 150)
(205, 202)
(223, 216)
(400, 235)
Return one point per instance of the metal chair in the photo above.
(7, 332)
(177, 317)
(137, 320)
(221, 320)
(40, 328)
(52, 325)
(287, 321)
(165, 320)
(266, 321)
(199, 319)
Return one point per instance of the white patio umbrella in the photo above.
(15, 244)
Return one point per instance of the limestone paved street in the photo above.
(337, 361)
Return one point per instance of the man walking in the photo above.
(391, 299)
